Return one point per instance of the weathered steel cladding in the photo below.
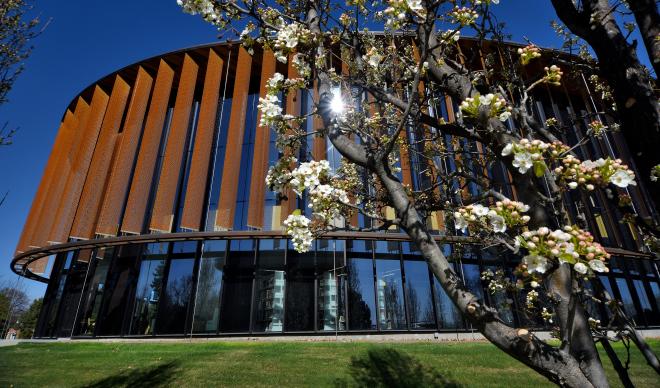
(86, 215)
(121, 170)
(255, 216)
(229, 188)
(193, 208)
(138, 196)
(175, 149)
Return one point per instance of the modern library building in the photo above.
(153, 219)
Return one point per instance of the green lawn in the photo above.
(473, 364)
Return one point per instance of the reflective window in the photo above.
(419, 295)
(269, 287)
(331, 285)
(61, 269)
(77, 274)
(209, 286)
(237, 284)
(644, 301)
(655, 288)
(118, 287)
(360, 287)
(173, 308)
(91, 303)
(627, 301)
(389, 283)
(300, 291)
(447, 314)
(148, 291)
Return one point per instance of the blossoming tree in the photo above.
(371, 90)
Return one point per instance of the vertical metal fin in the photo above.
(122, 166)
(193, 206)
(230, 173)
(255, 216)
(148, 154)
(89, 135)
(163, 211)
(95, 184)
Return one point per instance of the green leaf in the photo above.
(567, 257)
(539, 169)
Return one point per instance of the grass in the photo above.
(91, 364)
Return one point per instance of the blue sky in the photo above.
(86, 40)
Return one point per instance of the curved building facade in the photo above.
(152, 217)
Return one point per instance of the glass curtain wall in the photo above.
(237, 287)
(209, 287)
(178, 289)
(361, 286)
(389, 286)
(270, 288)
(90, 305)
(149, 287)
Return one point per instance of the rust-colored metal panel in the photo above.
(255, 217)
(95, 184)
(122, 166)
(148, 155)
(163, 210)
(89, 135)
(46, 216)
(193, 206)
(230, 173)
(293, 101)
(61, 140)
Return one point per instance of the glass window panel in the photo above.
(655, 288)
(269, 301)
(76, 277)
(627, 301)
(148, 291)
(61, 267)
(447, 314)
(419, 295)
(269, 290)
(331, 285)
(360, 287)
(237, 283)
(300, 290)
(94, 295)
(391, 309)
(644, 301)
(209, 286)
(173, 309)
(119, 285)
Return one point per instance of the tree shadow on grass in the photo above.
(143, 377)
(386, 367)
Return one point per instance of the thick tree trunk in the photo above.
(648, 21)
(636, 102)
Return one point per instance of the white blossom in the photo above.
(580, 268)
(623, 178)
(598, 266)
(498, 223)
(523, 161)
(536, 263)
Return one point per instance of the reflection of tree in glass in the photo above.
(394, 318)
(359, 313)
(179, 291)
(414, 308)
